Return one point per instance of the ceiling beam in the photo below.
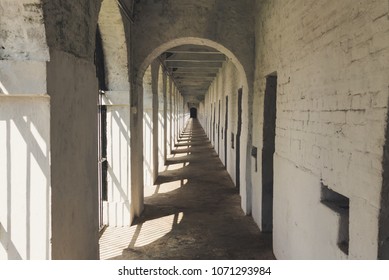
(194, 78)
(187, 64)
(194, 74)
(194, 70)
(192, 48)
(197, 57)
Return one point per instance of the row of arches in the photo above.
(319, 137)
(120, 149)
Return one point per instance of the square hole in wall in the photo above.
(341, 205)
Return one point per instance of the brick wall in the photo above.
(331, 59)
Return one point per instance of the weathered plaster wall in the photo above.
(71, 26)
(72, 86)
(331, 62)
(226, 84)
(117, 100)
(25, 184)
(22, 32)
(115, 46)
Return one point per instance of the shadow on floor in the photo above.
(193, 212)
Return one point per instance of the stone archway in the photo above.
(137, 98)
(227, 24)
(116, 98)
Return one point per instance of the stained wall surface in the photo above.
(331, 63)
(25, 184)
(331, 60)
(227, 84)
(73, 89)
(159, 26)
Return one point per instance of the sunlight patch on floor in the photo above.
(115, 239)
(175, 166)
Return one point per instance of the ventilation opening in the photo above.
(340, 204)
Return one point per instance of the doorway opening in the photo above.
(102, 129)
(218, 131)
(193, 113)
(225, 133)
(238, 133)
(269, 134)
(383, 250)
(214, 123)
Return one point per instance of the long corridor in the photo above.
(192, 212)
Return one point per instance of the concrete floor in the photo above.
(193, 212)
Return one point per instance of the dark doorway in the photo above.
(383, 249)
(214, 123)
(193, 113)
(269, 134)
(210, 124)
(218, 131)
(225, 133)
(102, 127)
(238, 133)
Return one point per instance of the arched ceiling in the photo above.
(193, 68)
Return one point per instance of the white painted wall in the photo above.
(332, 103)
(117, 208)
(227, 83)
(25, 175)
(25, 184)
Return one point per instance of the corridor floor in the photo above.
(193, 212)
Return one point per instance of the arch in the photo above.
(137, 98)
(113, 36)
(117, 101)
(191, 41)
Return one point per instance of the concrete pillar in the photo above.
(155, 124)
(174, 116)
(136, 127)
(72, 86)
(149, 92)
(169, 116)
(161, 119)
(246, 160)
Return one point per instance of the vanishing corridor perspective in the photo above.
(182, 129)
